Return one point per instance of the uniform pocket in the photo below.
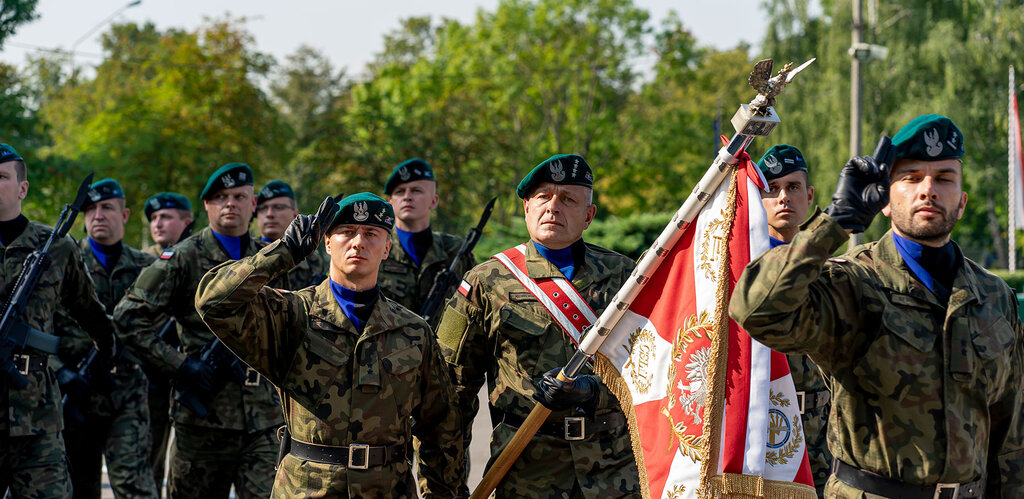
(993, 341)
(524, 341)
(317, 366)
(403, 361)
(902, 351)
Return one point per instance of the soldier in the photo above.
(360, 374)
(32, 452)
(786, 203)
(409, 272)
(921, 347)
(234, 442)
(275, 209)
(170, 220)
(496, 328)
(111, 426)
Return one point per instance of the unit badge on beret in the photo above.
(94, 195)
(241, 176)
(154, 204)
(227, 180)
(557, 171)
(359, 211)
(952, 141)
(267, 192)
(931, 140)
(403, 173)
(773, 164)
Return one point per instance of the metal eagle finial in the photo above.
(768, 87)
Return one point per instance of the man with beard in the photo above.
(233, 443)
(497, 329)
(921, 347)
(786, 203)
(419, 253)
(275, 209)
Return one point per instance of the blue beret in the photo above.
(107, 188)
(929, 137)
(564, 169)
(781, 160)
(274, 189)
(165, 200)
(226, 177)
(365, 209)
(409, 170)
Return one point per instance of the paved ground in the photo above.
(478, 449)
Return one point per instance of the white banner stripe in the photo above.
(536, 291)
(575, 298)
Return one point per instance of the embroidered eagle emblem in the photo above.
(94, 195)
(557, 171)
(227, 180)
(360, 211)
(933, 147)
(773, 164)
(154, 203)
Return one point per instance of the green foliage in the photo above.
(14, 13)
(1013, 279)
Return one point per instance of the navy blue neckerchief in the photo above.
(232, 244)
(106, 255)
(267, 239)
(934, 267)
(356, 305)
(775, 242)
(415, 244)
(11, 229)
(566, 259)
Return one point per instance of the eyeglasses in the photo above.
(263, 208)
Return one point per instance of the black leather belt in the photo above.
(573, 427)
(26, 363)
(879, 485)
(352, 456)
(812, 400)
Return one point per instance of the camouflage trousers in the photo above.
(205, 462)
(34, 467)
(160, 430)
(115, 430)
(300, 478)
(816, 434)
(600, 466)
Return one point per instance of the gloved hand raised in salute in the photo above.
(306, 232)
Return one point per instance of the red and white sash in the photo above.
(557, 294)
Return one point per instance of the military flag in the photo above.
(709, 409)
(1015, 174)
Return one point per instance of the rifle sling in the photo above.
(23, 334)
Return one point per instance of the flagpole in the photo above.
(757, 119)
(1011, 146)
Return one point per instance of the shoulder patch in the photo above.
(167, 254)
(465, 288)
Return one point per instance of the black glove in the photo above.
(559, 395)
(195, 373)
(304, 234)
(71, 383)
(861, 192)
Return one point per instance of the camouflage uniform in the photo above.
(32, 461)
(808, 380)
(159, 410)
(341, 388)
(153, 249)
(922, 393)
(234, 443)
(309, 272)
(116, 425)
(409, 284)
(501, 332)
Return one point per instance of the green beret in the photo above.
(274, 189)
(226, 177)
(7, 153)
(409, 170)
(929, 137)
(781, 160)
(165, 200)
(365, 209)
(107, 188)
(564, 169)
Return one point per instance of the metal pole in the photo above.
(1012, 173)
(855, 100)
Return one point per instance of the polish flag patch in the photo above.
(464, 289)
(166, 255)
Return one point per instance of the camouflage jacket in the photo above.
(110, 287)
(408, 284)
(501, 333)
(922, 393)
(153, 249)
(35, 409)
(167, 288)
(381, 387)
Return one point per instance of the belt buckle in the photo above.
(801, 398)
(575, 428)
(252, 377)
(354, 451)
(21, 363)
(952, 488)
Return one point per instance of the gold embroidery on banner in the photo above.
(676, 492)
(641, 347)
(716, 235)
(779, 425)
(777, 399)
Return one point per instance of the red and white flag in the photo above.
(1016, 164)
(710, 410)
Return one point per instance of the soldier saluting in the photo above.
(359, 374)
(921, 347)
(275, 209)
(233, 443)
(32, 453)
(498, 329)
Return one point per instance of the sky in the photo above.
(348, 32)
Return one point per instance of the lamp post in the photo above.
(99, 25)
(859, 52)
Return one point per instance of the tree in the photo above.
(14, 13)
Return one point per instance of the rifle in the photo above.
(225, 366)
(444, 279)
(15, 334)
(96, 373)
